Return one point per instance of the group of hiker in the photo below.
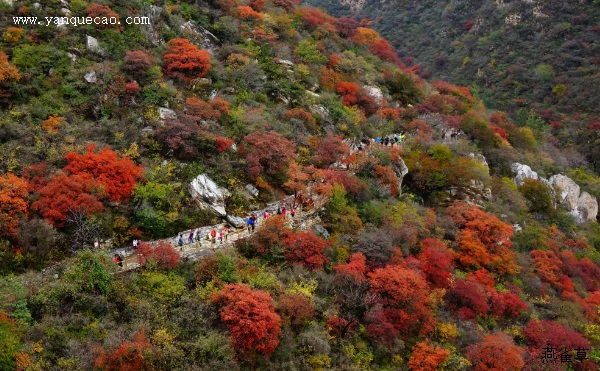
(390, 140)
(222, 235)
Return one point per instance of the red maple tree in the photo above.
(356, 268)
(162, 253)
(331, 149)
(68, 193)
(307, 249)
(427, 357)
(436, 262)
(495, 352)
(267, 152)
(129, 356)
(137, 62)
(484, 240)
(103, 12)
(404, 304)
(251, 319)
(13, 206)
(295, 309)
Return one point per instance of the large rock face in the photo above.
(583, 206)
(400, 169)
(566, 189)
(209, 195)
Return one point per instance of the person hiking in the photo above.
(135, 244)
(293, 212)
(226, 230)
(213, 235)
(266, 215)
(197, 236)
(249, 223)
(119, 260)
(278, 211)
(191, 237)
(220, 236)
(181, 242)
(284, 211)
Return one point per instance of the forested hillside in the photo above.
(463, 241)
(537, 60)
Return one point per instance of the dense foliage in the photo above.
(421, 255)
(537, 60)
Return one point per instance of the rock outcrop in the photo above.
(209, 195)
(400, 169)
(566, 189)
(587, 208)
(582, 205)
(522, 172)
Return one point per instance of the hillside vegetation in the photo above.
(430, 254)
(537, 60)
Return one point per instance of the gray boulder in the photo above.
(90, 76)
(91, 44)
(235, 221)
(522, 172)
(587, 208)
(166, 113)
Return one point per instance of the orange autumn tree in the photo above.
(128, 356)
(13, 191)
(8, 75)
(427, 357)
(13, 34)
(247, 12)
(108, 17)
(495, 352)
(51, 123)
(185, 60)
(251, 319)
(117, 175)
(483, 240)
(547, 266)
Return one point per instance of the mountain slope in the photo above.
(524, 57)
(449, 238)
